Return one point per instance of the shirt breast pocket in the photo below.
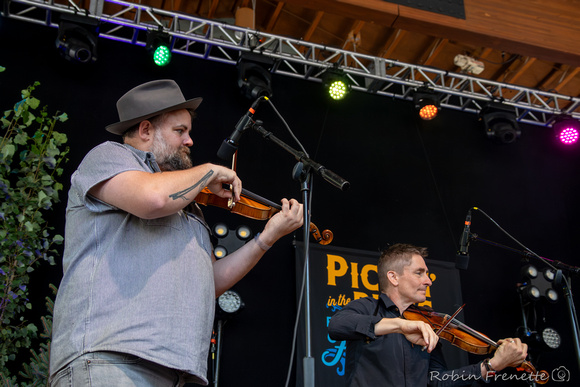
(172, 221)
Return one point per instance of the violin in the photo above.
(465, 338)
(256, 207)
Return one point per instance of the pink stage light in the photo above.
(567, 130)
(568, 135)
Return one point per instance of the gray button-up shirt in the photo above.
(131, 285)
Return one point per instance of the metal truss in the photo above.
(224, 42)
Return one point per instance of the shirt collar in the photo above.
(147, 157)
(388, 304)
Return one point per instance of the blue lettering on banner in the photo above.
(336, 355)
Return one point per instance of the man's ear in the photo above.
(146, 131)
(393, 277)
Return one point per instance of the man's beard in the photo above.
(167, 158)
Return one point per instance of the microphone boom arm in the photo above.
(326, 174)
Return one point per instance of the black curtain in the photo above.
(411, 181)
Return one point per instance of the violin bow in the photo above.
(449, 321)
(232, 200)
(438, 332)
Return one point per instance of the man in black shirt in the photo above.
(384, 349)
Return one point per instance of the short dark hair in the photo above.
(395, 258)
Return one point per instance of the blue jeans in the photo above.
(106, 369)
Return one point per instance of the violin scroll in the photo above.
(323, 238)
(540, 377)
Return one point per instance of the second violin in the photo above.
(465, 338)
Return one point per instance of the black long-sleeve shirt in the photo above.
(390, 360)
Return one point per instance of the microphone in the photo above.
(230, 145)
(462, 257)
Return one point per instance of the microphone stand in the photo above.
(303, 172)
(559, 280)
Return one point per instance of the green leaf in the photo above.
(33, 102)
(5, 122)
(62, 118)
(8, 151)
(32, 327)
(28, 118)
(21, 139)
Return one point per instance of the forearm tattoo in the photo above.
(202, 182)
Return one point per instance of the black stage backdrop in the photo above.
(411, 181)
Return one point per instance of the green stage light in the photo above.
(158, 45)
(337, 89)
(162, 55)
(336, 82)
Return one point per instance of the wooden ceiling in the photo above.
(531, 43)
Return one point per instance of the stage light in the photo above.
(531, 292)
(77, 38)
(500, 122)
(254, 78)
(549, 274)
(551, 295)
(220, 230)
(529, 271)
(545, 339)
(536, 285)
(336, 82)
(220, 252)
(229, 240)
(567, 130)
(159, 47)
(229, 303)
(427, 103)
(243, 232)
(551, 338)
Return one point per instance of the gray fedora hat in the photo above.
(148, 100)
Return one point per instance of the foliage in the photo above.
(37, 370)
(31, 153)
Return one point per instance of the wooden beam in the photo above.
(558, 71)
(212, 9)
(354, 35)
(521, 70)
(391, 43)
(568, 78)
(544, 29)
(435, 49)
(274, 17)
(506, 68)
(313, 25)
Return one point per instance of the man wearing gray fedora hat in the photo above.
(135, 306)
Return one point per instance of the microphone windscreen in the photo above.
(226, 150)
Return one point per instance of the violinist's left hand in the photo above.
(510, 353)
(284, 222)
